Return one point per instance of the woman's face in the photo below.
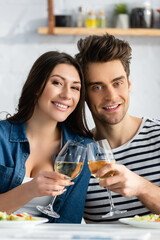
(61, 93)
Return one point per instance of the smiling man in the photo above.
(135, 141)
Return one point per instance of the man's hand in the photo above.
(124, 181)
(129, 184)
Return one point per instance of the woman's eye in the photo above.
(76, 88)
(56, 82)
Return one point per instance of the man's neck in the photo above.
(117, 134)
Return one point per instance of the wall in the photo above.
(20, 46)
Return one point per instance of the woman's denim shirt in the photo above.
(14, 151)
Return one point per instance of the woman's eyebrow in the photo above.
(57, 75)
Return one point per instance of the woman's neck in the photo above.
(42, 129)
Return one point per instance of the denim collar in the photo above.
(18, 133)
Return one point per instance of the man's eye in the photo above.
(97, 87)
(118, 84)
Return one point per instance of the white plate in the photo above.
(140, 224)
(17, 224)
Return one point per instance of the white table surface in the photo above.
(80, 231)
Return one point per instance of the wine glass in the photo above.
(99, 154)
(69, 162)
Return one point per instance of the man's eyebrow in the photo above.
(94, 83)
(118, 78)
(101, 83)
(57, 75)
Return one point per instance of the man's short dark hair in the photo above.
(103, 48)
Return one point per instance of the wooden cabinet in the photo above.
(51, 29)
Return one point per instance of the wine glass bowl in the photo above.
(99, 155)
(69, 162)
(95, 166)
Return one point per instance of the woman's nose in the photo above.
(65, 93)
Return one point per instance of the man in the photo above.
(135, 141)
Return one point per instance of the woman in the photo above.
(50, 111)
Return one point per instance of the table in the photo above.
(80, 231)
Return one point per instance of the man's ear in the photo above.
(129, 85)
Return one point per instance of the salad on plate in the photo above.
(145, 221)
(16, 217)
(147, 218)
(20, 220)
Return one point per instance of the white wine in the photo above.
(94, 166)
(71, 169)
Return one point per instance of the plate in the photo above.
(17, 224)
(140, 224)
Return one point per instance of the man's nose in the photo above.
(110, 93)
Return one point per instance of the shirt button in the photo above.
(19, 179)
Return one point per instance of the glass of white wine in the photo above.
(99, 154)
(69, 162)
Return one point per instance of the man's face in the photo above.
(107, 92)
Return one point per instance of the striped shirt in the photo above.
(142, 156)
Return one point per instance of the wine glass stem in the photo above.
(110, 198)
(53, 200)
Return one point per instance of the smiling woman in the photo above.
(61, 94)
(40, 73)
(50, 112)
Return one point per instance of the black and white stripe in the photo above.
(141, 155)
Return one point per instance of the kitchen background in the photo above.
(21, 45)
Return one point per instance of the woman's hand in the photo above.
(124, 181)
(45, 183)
(49, 183)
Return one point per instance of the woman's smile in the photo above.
(60, 106)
